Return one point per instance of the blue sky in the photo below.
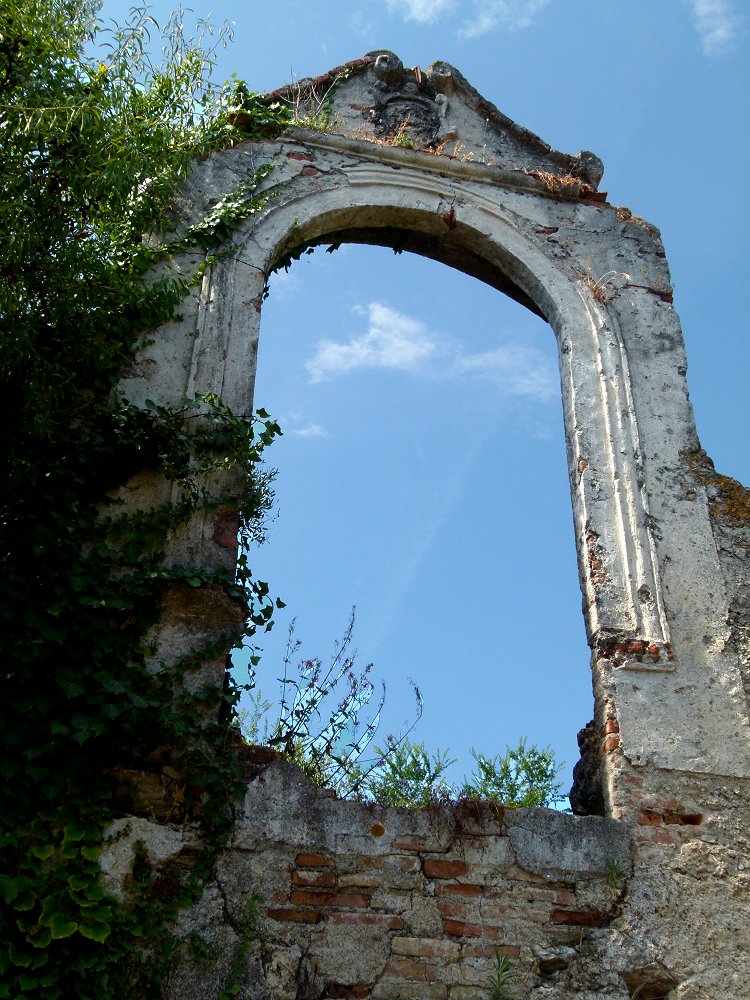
(422, 474)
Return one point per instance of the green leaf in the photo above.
(12, 887)
(19, 958)
(43, 851)
(60, 927)
(95, 932)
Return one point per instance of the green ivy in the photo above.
(96, 140)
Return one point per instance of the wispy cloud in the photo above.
(421, 11)
(513, 15)
(515, 369)
(310, 431)
(298, 424)
(717, 23)
(393, 340)
(399, 342)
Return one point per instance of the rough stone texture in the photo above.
(652, 900)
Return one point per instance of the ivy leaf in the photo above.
(11, 888)
(43, 851)
(95, 932)
(60, 927)
(19, 958)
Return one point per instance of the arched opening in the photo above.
(422, 478)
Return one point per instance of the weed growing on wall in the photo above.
(96, 138)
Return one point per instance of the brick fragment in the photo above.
(579, 918)
(414, 971)
(648, 817)
(323, 880)
(294, 916)
(436, 868)
(341, 991)
(307, 859)
(300, 156)
(469, 889)
(611, 726)
(459, 928)
(478, 949)
(384, 920)
(611, 743)
(313, 897)
(411, 843)
(683, 819)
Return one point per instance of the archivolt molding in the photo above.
(619, 566)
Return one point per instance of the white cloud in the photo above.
(515, 369)
(393, 340)
(422, 11)
(511, 14)
(716, 22)
(399, 342)
(310, 431)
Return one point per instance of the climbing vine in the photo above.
(96, 139)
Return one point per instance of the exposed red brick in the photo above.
(366, 863)
(310, 171)
(411, 843)
(469, 889)
(476, 950)
(300, 156)
(493, 933)
(634, 780)
(456, 908)
(611, 726)
(377, 829)
(415, 971)
(648, 817)
(226, 526)
(579, 918)
(323, 880)
(683, 819)
(340, 991)
(611, 743)
(313, 897)
(294, 916)
(307, 859)
(385, 920)
(459, 928)
(436, 868)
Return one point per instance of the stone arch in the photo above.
(534, 226)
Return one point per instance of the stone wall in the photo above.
(358, 901)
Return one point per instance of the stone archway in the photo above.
(363, 904)
(535, 226)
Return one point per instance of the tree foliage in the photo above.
(96, 137)
(521, 777)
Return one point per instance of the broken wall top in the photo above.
(378, 98)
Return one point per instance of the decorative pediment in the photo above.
(377, 98)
